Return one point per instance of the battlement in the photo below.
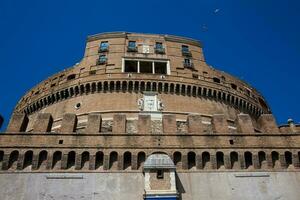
(195, 124)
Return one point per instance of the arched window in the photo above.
(234, 160)
(56, 163)
(275, 159)
(85, 158)
(177, 159)
(13, 159)
(71, 160)
(28, 160)
(262, 160)
(248, 159)
(206, 160)
(113, 160)
(191, 160)
(127, 160)
(99, 160)
(141, 159)
(220, 160)
(288, 158)
(42, 159)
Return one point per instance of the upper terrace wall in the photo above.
(88, 71)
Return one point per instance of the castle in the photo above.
(143, 116)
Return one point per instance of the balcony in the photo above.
(102, 49)
(188, 65)
(101, 61)
(132, 49)
(186, 53)
(159, 50)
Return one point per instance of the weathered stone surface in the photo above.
(268, 124)
(69, 123)
(43, 123)
(94, 123)
(169, 124)
(244, 123)
(219, 123)
(119, 123)
(144, 124)
(17, 123)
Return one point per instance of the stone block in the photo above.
(69, 123)
(17, 123)
(43, 123)
(219, 124)
(244, 124)
(144, 124)
(169, 124)
(195, 124)
(94, 123)
(119, 123)
(268, 124)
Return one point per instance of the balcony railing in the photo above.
(159, 50)
(102, 49)
(186, 53)
(132, 49)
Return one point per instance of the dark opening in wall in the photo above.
(145, 67)
(206, 160)
(160, 68)
(231, 142)
(263, 103)
(233, 86)
(113, 160)
(160, 174)
(127, 160)
(220, 160)
(195, 76)
(141, 159)
(99, 160)
(71, 77)
(131, 66)
(60, 142)
(42, 158)
(13, 159)
(28, 159)
(56, 159)
(248, 159)
(85, 158)
(275, 159)
(261, 158)
(288, 158)
(71, 159)
(191, 160)
(234, 158)
(216, 80)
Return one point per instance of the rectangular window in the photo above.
(159, 48)
(145, 67)
(104, 46)
(187, 63)
(160, 174)
(185, 51)
(102, 59)
(131, 66)
(160, 68)
(131, 46)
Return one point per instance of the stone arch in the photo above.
(220, 160)
(127, 160)
(206, 164)
(263, 164)
(113, 160)
(166, 87)
(85, 160)
(189, 90)
(288, 159)
(13, 159)
(199, 91)
(177, 158)
(71, 160)
(148, 86)
(177, 89)
(99, 158)
(275, 159)
(56, 160)
(191, 160)
(28, 157)
(248, 159)
(141, 158)
(183, 89)
(42, 160)
(94, 87)
(81, 89)
(234, 160)
(142, 86)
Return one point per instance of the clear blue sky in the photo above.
(255, 40)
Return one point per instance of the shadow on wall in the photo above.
(180, 188)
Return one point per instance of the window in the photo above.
(216, 80)
(71, 77)
(131, 66)
(160, 67)
(187, 63)
(132, 46)
(159, 48)
(102, 60)
(145, 67)
(185, 51)
(104, 46)
(195, 76)
(160, 174)
(233, 86)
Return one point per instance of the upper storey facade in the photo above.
(172, 67)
